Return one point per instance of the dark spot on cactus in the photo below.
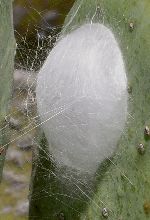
(36, 207)
(105, 212)
(146, 207)
(141, 149)
(131, 26)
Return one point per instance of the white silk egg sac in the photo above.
(82, 97)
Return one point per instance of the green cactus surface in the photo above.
(6, 69)
(122, 189)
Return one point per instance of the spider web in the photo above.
(30, 55)
(22, 122)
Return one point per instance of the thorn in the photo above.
(141, 149)
(2, 150)
(147, 131)
(61, 216)
(129, 89)
(131, 26)
(146, 207)
(105, 213)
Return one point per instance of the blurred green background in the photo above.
(37, 23)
